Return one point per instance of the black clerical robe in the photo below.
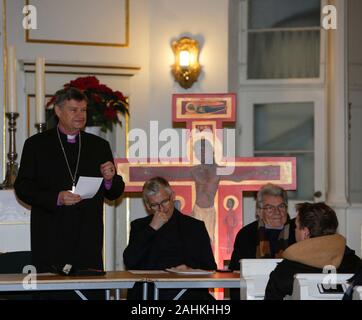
(64, 234)
(182, 240)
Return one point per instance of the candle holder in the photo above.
(41, 127)
(11, 165)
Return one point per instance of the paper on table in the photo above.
(146, 271)
(87, 187)
(190, 271)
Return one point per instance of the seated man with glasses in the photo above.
(166, 239)
(269, 235)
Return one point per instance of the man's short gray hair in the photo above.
(155, 185)
(270, 190)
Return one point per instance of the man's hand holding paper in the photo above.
(67, 198)
(87, 187)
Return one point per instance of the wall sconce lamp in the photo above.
(187, 67)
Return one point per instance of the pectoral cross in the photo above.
(73, 189)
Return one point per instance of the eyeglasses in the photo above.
(164, 204)
(269, 209)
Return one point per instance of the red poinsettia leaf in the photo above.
(119, 95)
(110, 113)
(50, 102)
(104, 89)
(96, 98)
(84, 83)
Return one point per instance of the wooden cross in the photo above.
(209, 113)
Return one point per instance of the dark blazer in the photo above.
(64, 234)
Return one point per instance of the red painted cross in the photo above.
(210, 112)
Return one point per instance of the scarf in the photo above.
(263, 245)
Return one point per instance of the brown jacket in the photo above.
(310, 256)
(318, 252)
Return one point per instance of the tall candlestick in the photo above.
(11, 165)
(11, 71)
(40, 90)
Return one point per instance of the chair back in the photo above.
(14, 262)
(254, 277)
(357, 293)
(319, 286)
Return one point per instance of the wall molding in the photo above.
(82, 68)
(86, 43)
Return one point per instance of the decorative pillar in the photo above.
(337, 97)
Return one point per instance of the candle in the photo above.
(11, 72)
(40, 90)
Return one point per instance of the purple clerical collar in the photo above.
(71, 138)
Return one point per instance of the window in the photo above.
(283, 39)
(281, 94)
(287, 130)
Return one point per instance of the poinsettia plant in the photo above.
(104, 105)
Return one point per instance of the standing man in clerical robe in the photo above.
(66, 229)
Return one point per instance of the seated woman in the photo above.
(318, 245)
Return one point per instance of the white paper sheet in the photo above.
(146, 271)
(190, 271)
(87, 187)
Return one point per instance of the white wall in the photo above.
(355, 99)
(354, 212)
(2, 102)
(204, 20)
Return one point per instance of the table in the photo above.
(41, 282)
(185, 281)
(117, 280)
